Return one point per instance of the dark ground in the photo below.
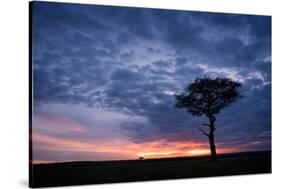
(76, 173)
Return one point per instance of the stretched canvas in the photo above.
(121, 94)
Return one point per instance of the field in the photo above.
(74, 173)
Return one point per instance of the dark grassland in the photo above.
(76, 173)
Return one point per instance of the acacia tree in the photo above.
(207, 96)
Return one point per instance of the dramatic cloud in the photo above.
(104, 78)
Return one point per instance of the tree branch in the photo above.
(201, 130)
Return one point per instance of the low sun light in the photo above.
(153, 154)
(164, 154)
(198, 152)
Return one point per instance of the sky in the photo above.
(104, 80)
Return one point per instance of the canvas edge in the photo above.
(30, 74)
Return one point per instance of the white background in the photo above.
(14, 93)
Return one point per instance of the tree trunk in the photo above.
(212, 139)
(213, 147)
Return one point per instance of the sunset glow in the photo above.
(198, 152)
(99, 148)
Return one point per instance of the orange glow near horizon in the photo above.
(198, 152)
(160, 154)
(163, 154)
(147, 150)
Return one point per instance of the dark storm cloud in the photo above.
(134, 60)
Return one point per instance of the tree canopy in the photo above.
(208, 95)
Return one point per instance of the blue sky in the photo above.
(104, 79)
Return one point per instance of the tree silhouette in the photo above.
(207, 96)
